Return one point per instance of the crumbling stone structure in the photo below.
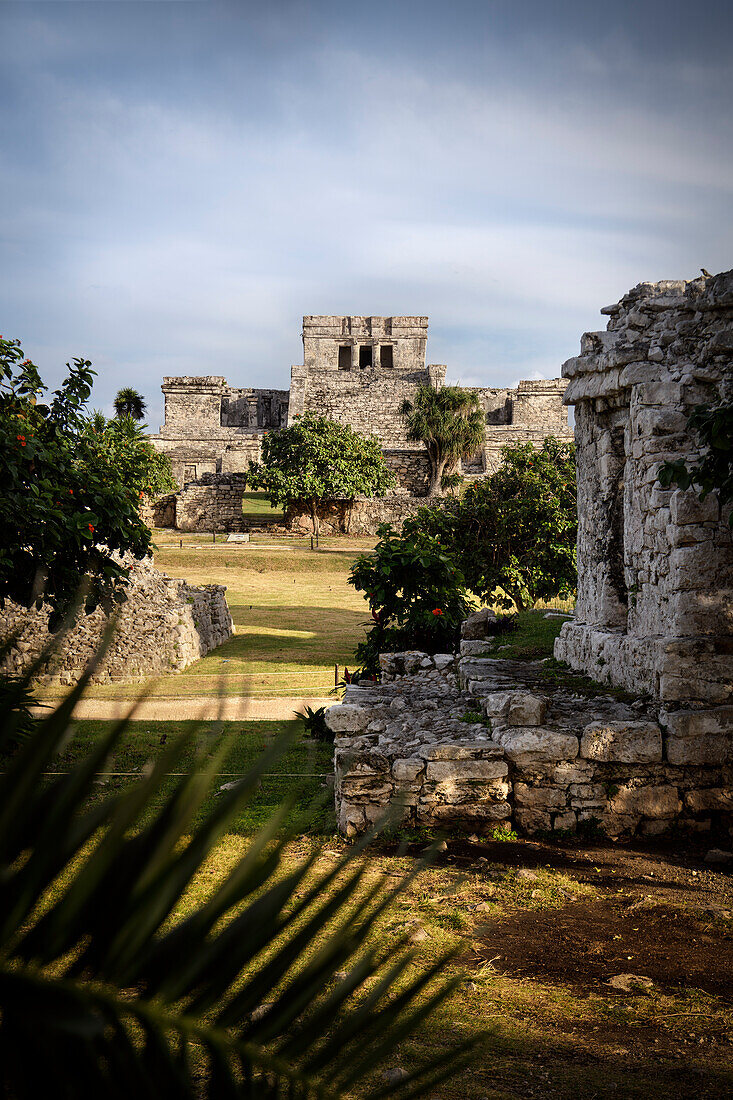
(357, 371)
(164, 625)
(655, 587)
(654, 615)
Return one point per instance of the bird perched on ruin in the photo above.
(706, 273)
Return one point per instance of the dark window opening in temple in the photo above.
(189, 473)
(344, 357)
(365, 356)
(385, 356)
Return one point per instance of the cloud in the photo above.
(183, 184)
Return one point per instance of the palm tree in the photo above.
(276, 985)
(450, 423)
(129, 402)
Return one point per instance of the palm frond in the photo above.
(104, 990)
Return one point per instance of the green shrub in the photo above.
(416, 594)
(314, 723)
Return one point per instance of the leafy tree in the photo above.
(416, 594)
(66, 506)
(274, 986)
(450, 422)
(317, 459)
(713, 470)
(513, 533)
(129, 403)
(123, 444)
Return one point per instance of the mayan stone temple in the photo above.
(356, 370)
(654, 616)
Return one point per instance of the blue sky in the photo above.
(181, 180)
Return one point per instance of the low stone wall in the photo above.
(164, 625)
(360, 517)
(542, 757)
(212, 503)
(160, 512)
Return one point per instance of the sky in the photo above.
(182, 180)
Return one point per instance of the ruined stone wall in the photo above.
(356, 371)
(212, 503)
(411, 469)
(368, 400)
(211, 427)
(164, 625)
(360, 517)
(655, 590)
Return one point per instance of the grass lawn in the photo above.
(295, 616)
(257, 504)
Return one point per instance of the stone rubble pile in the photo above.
(164, 625)
(479, 743)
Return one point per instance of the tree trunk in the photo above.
(437, 469)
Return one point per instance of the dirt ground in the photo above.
(544, 962)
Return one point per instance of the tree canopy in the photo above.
(70, 489)
(129, 403)
(513, 533)
(450, 422)
(317, 459)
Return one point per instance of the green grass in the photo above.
(257, 504)
(301, 774)
(532, 640)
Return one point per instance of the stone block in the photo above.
(710, 800)
(539, 798)
(699, 736)
(472, 648)
(440, 770)
(409, 769)
(452, 750)
(475, 627)
(686, 507)
(443, 660)
(538, 745)
(565, 822)
(658, 801)
(347, 718)
(625, 742)
(496, 704)
(526, 709)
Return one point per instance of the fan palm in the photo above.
(270, 988)
(129, 402)
(450, 423)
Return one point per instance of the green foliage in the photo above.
(129, 403)
(416, 594)
(504, 834)
(64, 504)
(713, 471)
(314, 723)
(122, 445)
(317, 459)
(274, 985)
(450, 422)
(513, 533)
(16, 700)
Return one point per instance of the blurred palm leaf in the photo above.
(272, 987)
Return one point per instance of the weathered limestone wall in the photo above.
(360, 517)
(212, 503)
(211, 427)
(164, 625)
(655, 594)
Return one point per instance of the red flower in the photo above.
(437, 611)
(91, 527)
(21, 440)
(71, 491)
